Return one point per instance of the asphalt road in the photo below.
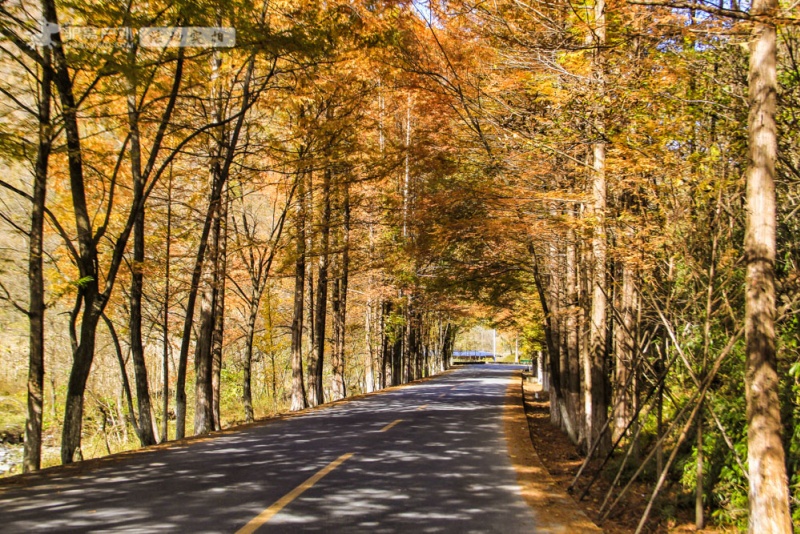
(430, 457)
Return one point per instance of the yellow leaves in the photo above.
(576, 63)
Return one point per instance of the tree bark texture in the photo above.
(165, 326)
(769, 491)
(146, 435)
(90, 299)
(625, 352)
(338, 389)
(315, 389)
(595, 404)
(299, 401)
(32, 452)
(573, 386)
(220, 275)
(204, 397)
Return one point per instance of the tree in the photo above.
(769, 491)
(32, 459)
(299, 399)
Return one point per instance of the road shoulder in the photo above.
(555, 511)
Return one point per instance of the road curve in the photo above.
(430, 457)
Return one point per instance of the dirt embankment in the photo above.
(563, 460)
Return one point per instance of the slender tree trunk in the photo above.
(180, 386)
(165, 326)
(203, 363)
(550, 336)
(340, 320)
(573, 386)
(146, 436)
(92, 302)
(371, 378)
(32, 453)
(559, 402)
(339, 389)
(625, 349)
(311, 357)
(90, 299)
(220, 274)
(204, 414)
(699, 468)
(122, 435)
(584, 318)
(408, 341)
(247, 395)
(386, 367)
(321, 308)
(126, 386)
(298, 387)
(660, 367)
(259, 277)
(449, 341)
(769, 491)
(336, 287)
(699, 521)
(595, 405)
(272, 352)
(220, 168)
(397, 360)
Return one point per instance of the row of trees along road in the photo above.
(215, 234)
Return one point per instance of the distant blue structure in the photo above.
(477, 354)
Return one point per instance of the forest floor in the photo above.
(563, 460)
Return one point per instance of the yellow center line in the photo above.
(422, 407)
(267, 514)
(390, 425)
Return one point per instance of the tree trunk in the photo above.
(88, 293)
(550, 336)
(165, 326)
(769, 491)
(573, 386)
(180, 386)
(371, 375)
(203, 360)
(397, 360)
(90, 298)
(79, 374)
(219, 169)
(146, 436)
(204, 414)
(559, 403)
(595, 405)
(126, 386)
(32, 453)
(220, 274)
(259, 276)
(274, 383)
(316, 396)
(386, 367)
(247, 395)
(339, 387)
(336, 288)
(625, 350)
(408, 340)
(299, 401)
